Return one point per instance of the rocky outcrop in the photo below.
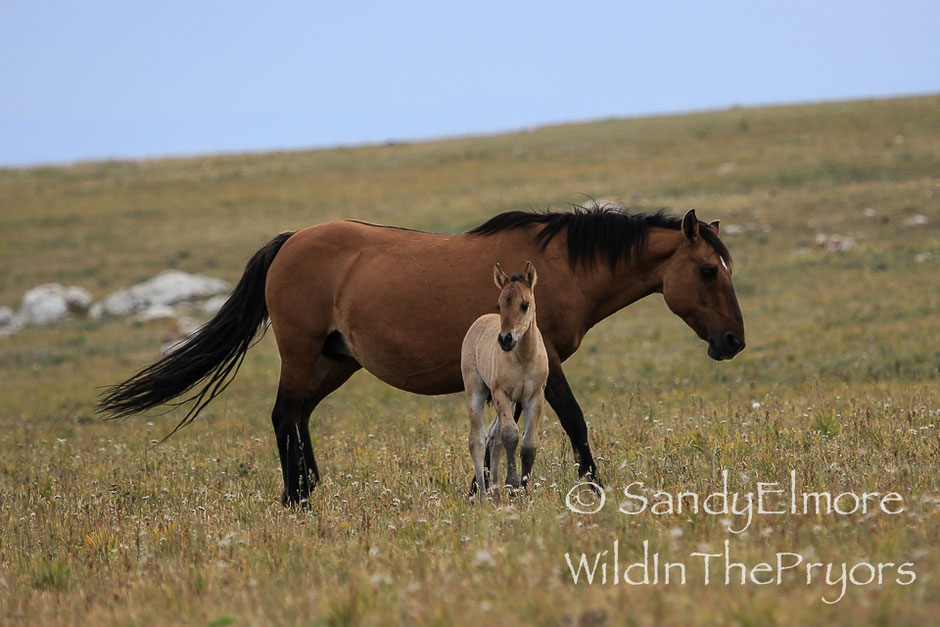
(153, 298)
(167, 295)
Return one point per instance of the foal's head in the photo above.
(516, 304)
(697, 288)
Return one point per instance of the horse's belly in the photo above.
(400, 360)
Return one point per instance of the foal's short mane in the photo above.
(597, 232)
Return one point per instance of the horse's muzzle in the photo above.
(507, 341)
(725, 347)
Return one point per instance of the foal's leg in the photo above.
(509, 434)
(494, 453)
(530, 437)
(476, 400)
(493, 430)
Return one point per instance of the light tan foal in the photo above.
(503, 359)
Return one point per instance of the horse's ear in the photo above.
(714, 225)
(499, 277)
(690, 225)
(530, 276)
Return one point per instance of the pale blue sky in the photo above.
(102, 79)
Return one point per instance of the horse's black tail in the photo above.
(211, 356)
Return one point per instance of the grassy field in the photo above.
(839, 382)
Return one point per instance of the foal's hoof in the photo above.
(475, 489)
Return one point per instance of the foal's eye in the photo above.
(708, 272)
(497, 307)
(525, 307)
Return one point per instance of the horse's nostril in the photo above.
(733, 341)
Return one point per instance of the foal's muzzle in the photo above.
(507, 340)
(725, 346)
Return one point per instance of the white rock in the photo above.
(96, 311)
(834, 243)
(915, 220)
(120, 303)
(156, 312)
(77, 299)
(166, 289)
(10, 322)
(44, 304)
(6, 316)
(732, 229)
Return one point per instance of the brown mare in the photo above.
(503, 359)
(348, 294)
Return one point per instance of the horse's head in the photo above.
(516, 304)
(697, 288)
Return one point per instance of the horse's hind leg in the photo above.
(560, 397)
(285, 421)
(290, 418)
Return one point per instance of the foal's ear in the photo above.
(530, 276)
(714, 225)
(500, 277)
(690, 225)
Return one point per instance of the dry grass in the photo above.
(842, 357)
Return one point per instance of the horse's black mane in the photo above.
(597, 232)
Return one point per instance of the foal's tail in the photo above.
(210, 357)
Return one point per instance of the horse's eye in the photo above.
(525, 307)
(708, 272)
(497, 307)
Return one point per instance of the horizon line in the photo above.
(457, 136)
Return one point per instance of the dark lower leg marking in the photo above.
(510, 437)
(528, 460)
(291, 428)
(561, 399)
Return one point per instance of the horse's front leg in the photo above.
(530, 434)
(509, 435)
(559, 396)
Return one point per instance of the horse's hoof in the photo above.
(595, 484)
(295, 499)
